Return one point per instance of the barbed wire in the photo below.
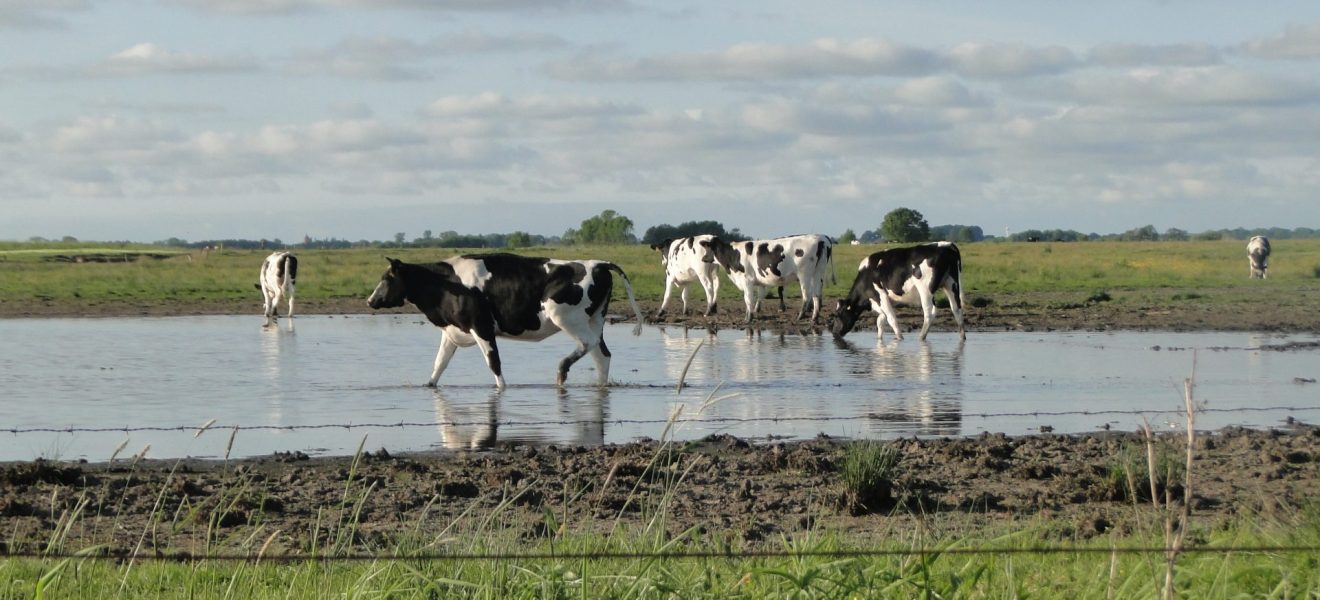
(681, 420)
(104, 553)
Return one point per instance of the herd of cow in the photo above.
(475, 299)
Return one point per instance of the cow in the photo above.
(279, 273)
(757, 265)
(686, 260)
(1258, 255)
(474, 299)
(903, 275)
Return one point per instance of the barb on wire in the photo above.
(695, 419)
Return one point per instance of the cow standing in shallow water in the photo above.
(897, 275)
(1258, 254)
(475, 298)
(755, 266)
(686, 260)
(279, 272)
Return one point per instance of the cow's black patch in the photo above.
(768, 259)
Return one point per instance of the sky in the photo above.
(144, 120)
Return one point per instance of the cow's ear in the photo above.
(394, 262)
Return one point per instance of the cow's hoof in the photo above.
(430, 384)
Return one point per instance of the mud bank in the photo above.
(722, 486)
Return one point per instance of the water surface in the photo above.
(139, 380)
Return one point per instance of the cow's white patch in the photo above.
(472, 272)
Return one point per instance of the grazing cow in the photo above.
(686, 260)
(278, 274)
(755, 266)
(893, 275)
(475, 298)
(1258, 254)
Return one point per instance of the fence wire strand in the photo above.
(93, 554)
(545, 422)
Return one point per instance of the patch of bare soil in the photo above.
(723, 486)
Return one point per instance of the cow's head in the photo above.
(390, 292)
(723, 253)
(846, 313)
(663, 248)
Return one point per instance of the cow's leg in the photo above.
(953, 289)
(270, 299)
(887, 310)
(683, 295)
(290, 292)
(927, 308)
(664, 301)
(752, 299)
(446, 352)
(712, 287)
(600, 353)
(492, 354)
(783, 307)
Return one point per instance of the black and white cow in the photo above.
(687, 260)
(757, 265)
(903, 275)
(475, 298)
(1258, 254)
(279, 273)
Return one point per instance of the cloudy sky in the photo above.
(205, 119)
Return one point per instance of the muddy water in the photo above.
(88, 388)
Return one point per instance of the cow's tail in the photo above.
(627, 287)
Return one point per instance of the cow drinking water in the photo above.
(474, 299)
(1258, 254)
(903, 275)
(279, 272)
(757, 265)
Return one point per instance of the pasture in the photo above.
(1036, 275)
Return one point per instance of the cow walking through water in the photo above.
(1258, 254)
(279, 273)
(903, 275)
(757, 265)
(474, 299)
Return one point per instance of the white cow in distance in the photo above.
(1258, 254)
(757, 265)
(278, 275)
(687, 260)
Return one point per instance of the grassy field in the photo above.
(990, 269)
(825, 570)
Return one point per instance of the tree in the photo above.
(1173, 234)
(608, 227)
(518, 239)
(848, 237)
(660, 233)
(905, 225)
(400, 237)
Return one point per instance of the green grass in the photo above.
(935, 567)
(989, 270)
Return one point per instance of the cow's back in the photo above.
(513, 287)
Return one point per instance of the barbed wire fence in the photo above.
(105, 553)
(714, 420)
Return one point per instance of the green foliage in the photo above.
(848, 237)
(660, 233)
(608, 227)
(518, 239)
(867, 472)
(904, 225)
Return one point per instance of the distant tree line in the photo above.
(900, 225)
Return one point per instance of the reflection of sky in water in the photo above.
(186, 371)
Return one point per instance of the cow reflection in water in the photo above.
(925, 399)
(466, 425)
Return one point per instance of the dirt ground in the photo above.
(722, 486)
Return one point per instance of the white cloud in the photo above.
(491, 105)
(38, 14)
(1296, 42)
(975, 59)
(147, 58)
(269, 7)
(1134, 55)
(824, 57)
(1191, 86)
